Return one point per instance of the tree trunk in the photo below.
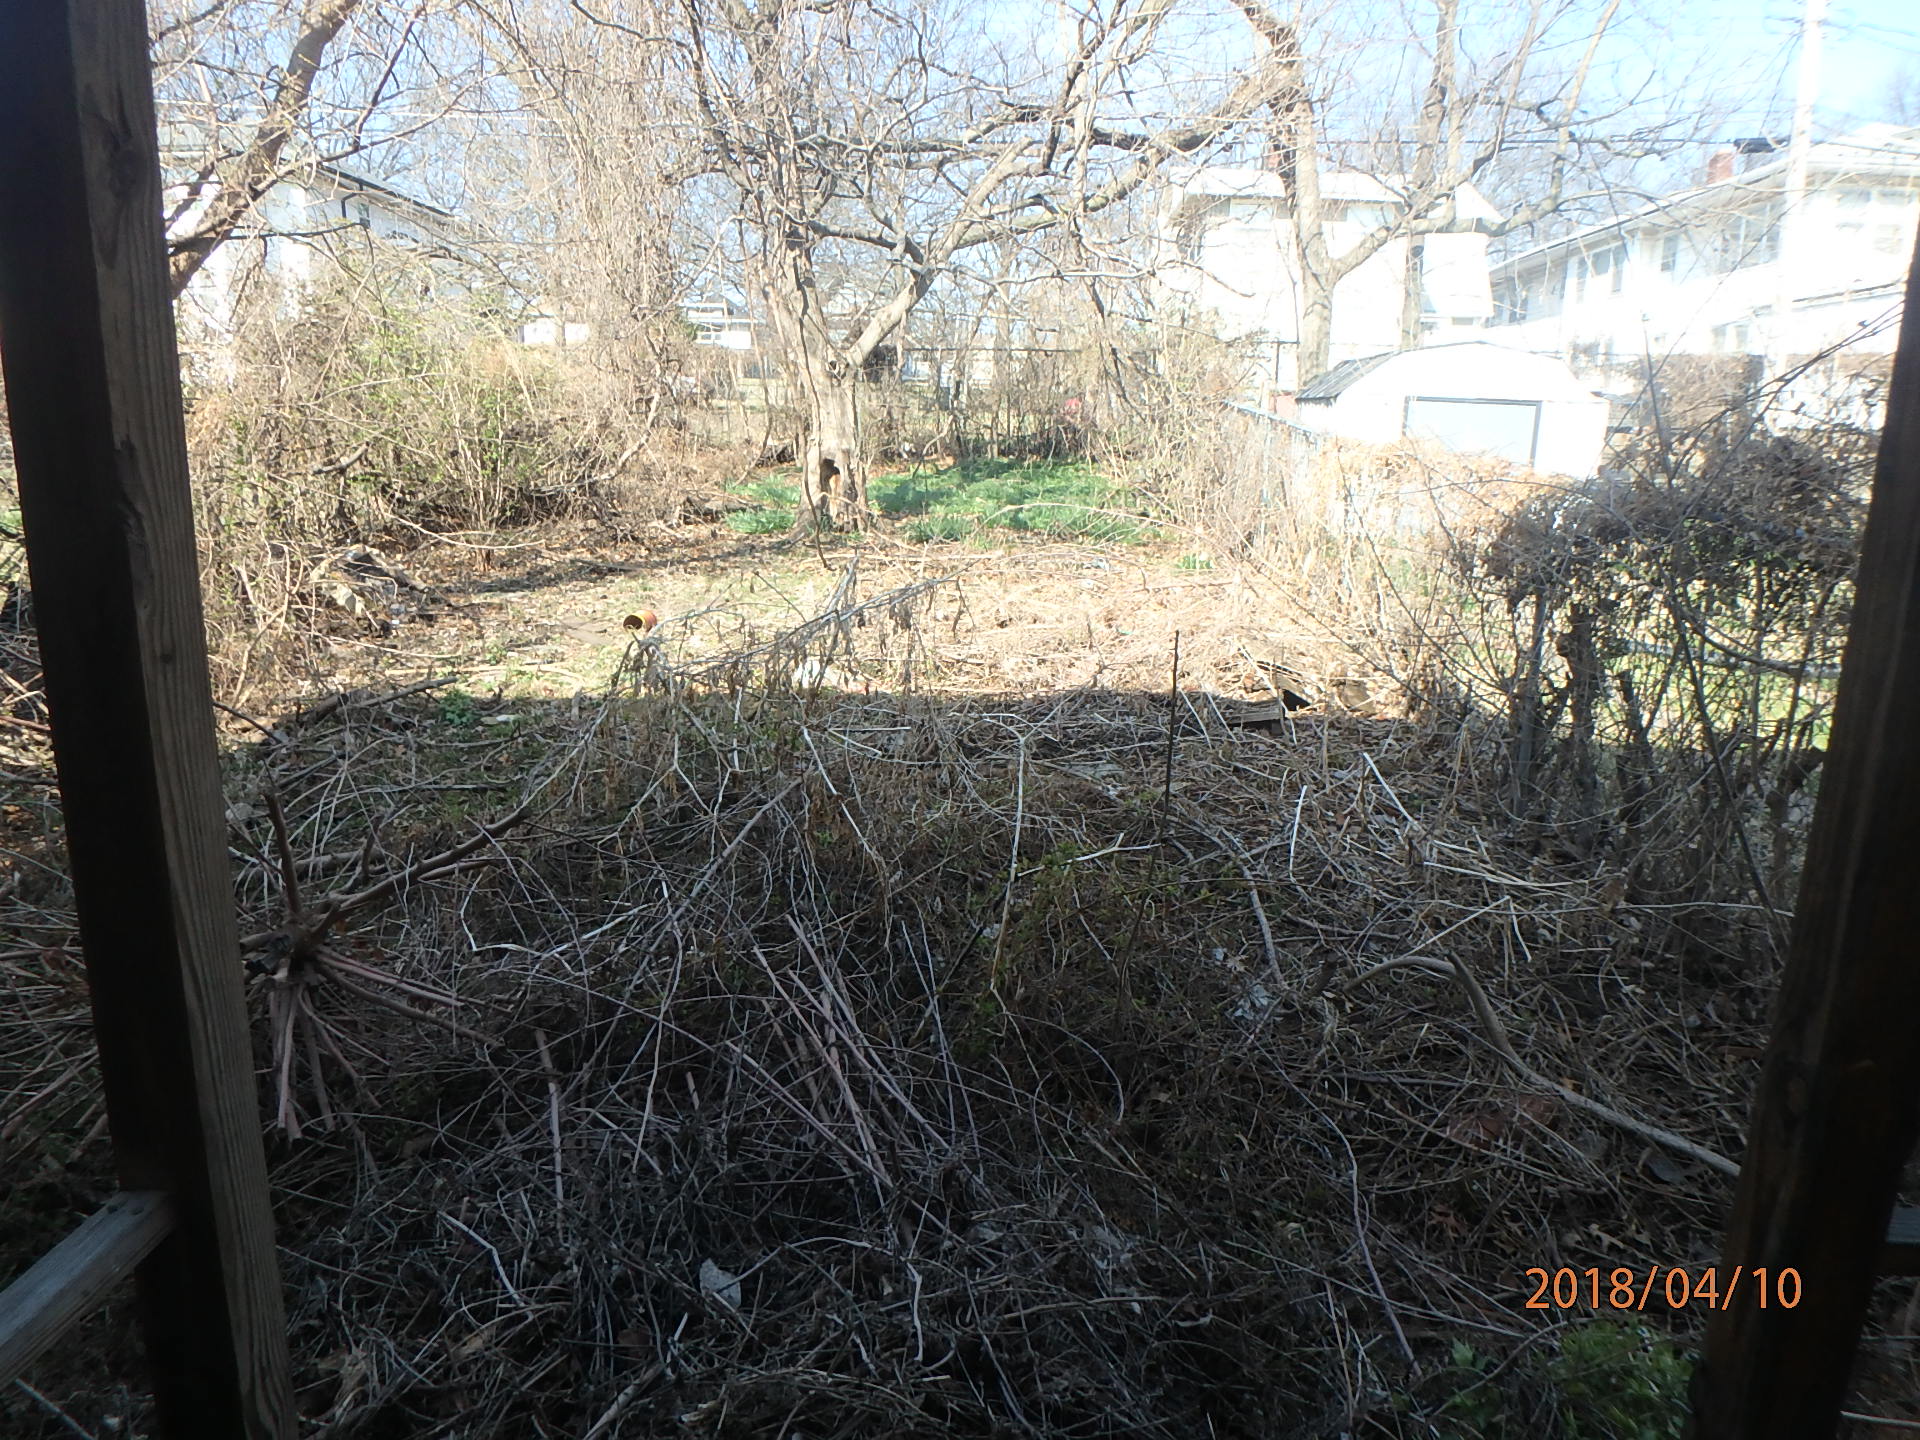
(826, 381)
(833, 476)
(1412, 295)
(1295, 147)
(1316, 331)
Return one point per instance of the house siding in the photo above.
(1706, 271)
(1230, 259)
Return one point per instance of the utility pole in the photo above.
(1793, 199)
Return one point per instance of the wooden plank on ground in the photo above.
(93, 390)
(69, 1281)
(1837, 1109)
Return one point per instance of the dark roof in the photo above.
(1334, 383)
(353, 179)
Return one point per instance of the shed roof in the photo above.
(1472, 367)
(1335, 382)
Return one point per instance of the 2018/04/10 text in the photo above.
(1672, 1285)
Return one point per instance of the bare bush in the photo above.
(362, 413)
(1668, 645)
(1656, 650)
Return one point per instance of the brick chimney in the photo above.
(1720, 166)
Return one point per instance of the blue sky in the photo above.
(1751, 44)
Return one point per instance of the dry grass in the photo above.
(846, 1047)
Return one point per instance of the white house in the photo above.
(1472, 397)
(552, 331)
(317, 211)
(1225, 249)
(719, 320)
(1718, 269)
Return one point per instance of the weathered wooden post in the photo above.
(1838, 1106)
(93, 390)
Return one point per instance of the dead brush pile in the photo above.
(872, 1060)
(1665, 646)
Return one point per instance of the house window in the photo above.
(1619, 269)
(1370, 216)
(1748, 240)
(1580, 271)
(1730, 339)
(1670, 254)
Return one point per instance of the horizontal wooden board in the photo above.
(72, 1279)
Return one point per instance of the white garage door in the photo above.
(1509, 429)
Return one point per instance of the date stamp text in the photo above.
(1673, 1286)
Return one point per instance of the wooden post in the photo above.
(1838, 1105)
(93, 390)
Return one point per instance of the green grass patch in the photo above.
(761, 522)
(776, 496)
(974, 500)
(1610, 1381)
(1066, 499)
(775, 490)
(940, 527)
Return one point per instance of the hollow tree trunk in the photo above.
(833, 476)
(826, 387)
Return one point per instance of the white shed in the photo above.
(1473, 397)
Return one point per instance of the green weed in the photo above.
(1620, 1382)
(1608, 1380)
(458, 711)
(1067, 499)
(761, 522)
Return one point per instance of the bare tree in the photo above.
(252, 92)
(582, 190)
(861, 152)
(1900, 95)
(1458, 132)
(243, 177)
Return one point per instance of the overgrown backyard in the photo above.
(1037, 967)
(983, 721)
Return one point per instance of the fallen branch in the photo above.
(1497, 1037)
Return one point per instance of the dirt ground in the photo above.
(545, 617)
